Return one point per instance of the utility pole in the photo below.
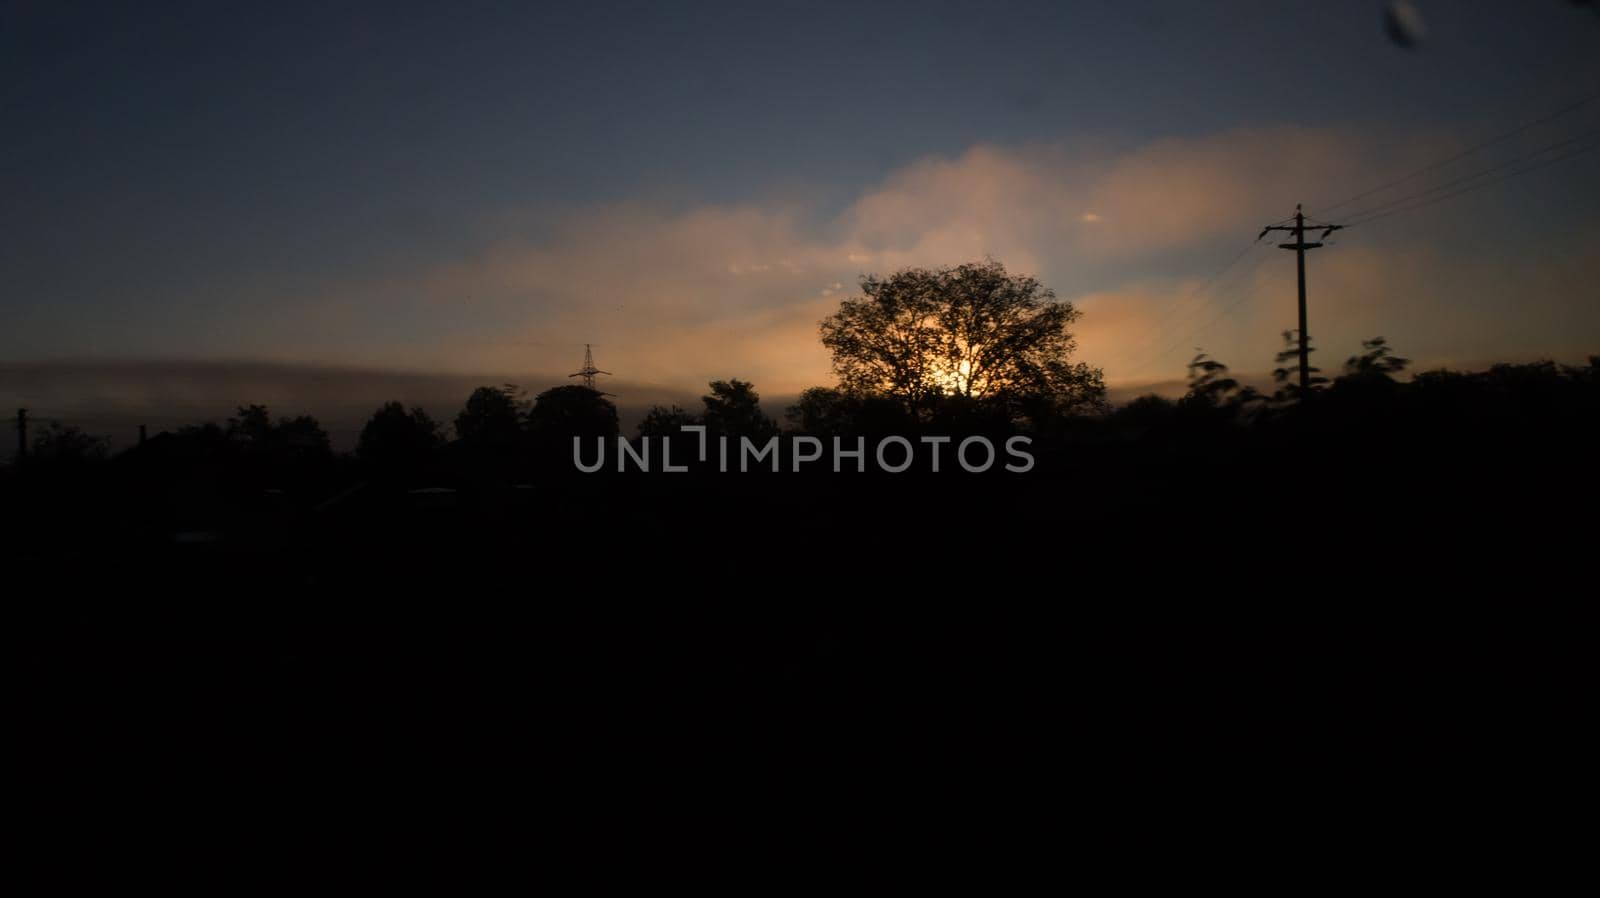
(22, 435)
(1300, 246)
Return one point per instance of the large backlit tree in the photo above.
(972, 332)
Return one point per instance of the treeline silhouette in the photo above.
(1231, 599)
(1368, 448)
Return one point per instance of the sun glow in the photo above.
(957, 379)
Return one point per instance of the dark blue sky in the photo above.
(208, 180)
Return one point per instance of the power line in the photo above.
(1410, 202)
(1455, 193)
(1146, 361)
(1203, 295)
(1395, 207)
(1434, 166)
(1477, 174)
(1174, 316)
(1196, 332)
(1221, 313)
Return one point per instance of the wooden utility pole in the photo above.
(1300, 246)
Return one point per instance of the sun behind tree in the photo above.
(972, 332)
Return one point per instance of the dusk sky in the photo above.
(469, 188)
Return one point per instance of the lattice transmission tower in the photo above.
(589, 370)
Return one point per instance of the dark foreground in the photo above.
(1341, 643)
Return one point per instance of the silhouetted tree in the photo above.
(822, 411)
(972, 331)
(1368, 385)
(395, 436)
(253, 431)
(1075, 390)
(1287, 374)
(1589, 374)
(251, 427)
(572, 411)
(195, 442)
(825, 411)
(301, 436)
(492, 417)
(1209, 381)
(1211, 386)
(1375, 359)
(1144, 412)
(733, 407)
(665, 421)
(64, 443)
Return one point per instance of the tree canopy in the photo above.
(572, 410)
(666, 421)
(973, 332)
(492, 417)
(65, 443)
(733, 407)
(253, 430)
(394, 435)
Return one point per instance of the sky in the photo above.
(482, 188)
